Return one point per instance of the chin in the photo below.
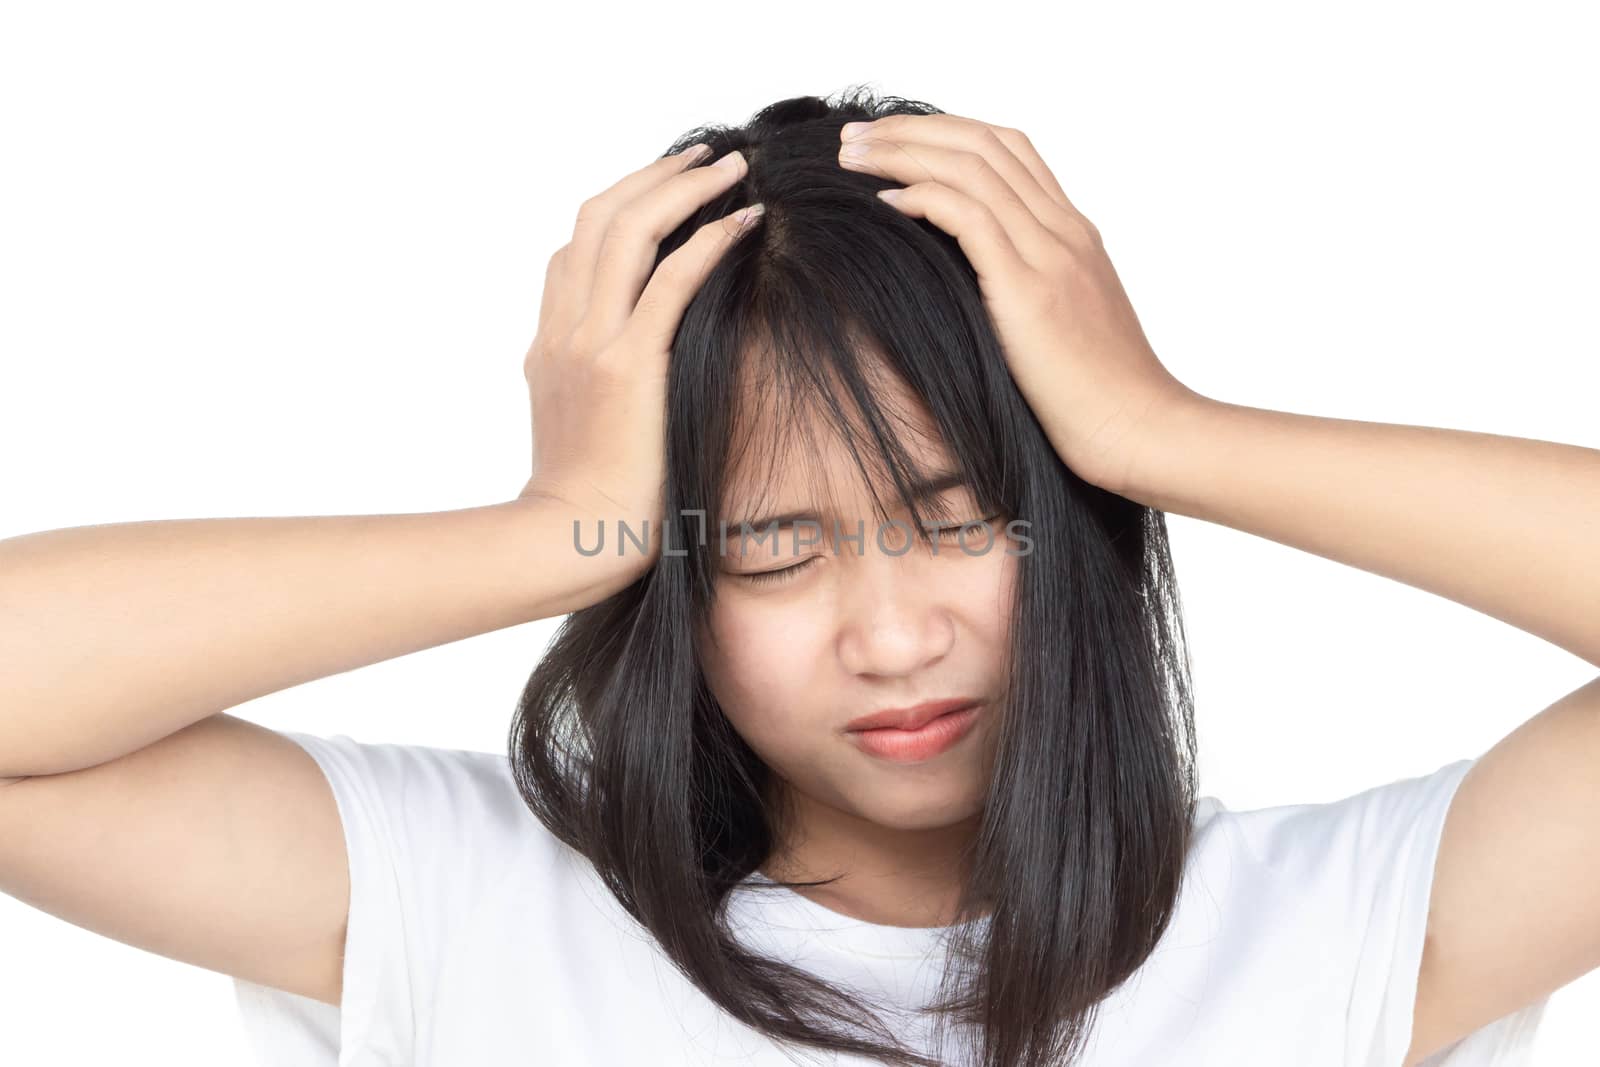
(917, 812)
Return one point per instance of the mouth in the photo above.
(914, 717)
(933, 737)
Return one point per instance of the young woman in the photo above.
(868, 737)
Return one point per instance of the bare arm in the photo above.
(119, 635)
(1505, 525)
(219, 845)
(144, 813)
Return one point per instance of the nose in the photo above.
(893, 617)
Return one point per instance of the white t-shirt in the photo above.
(476, 937)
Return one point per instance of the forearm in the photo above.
(115, 636)
(1506, 525)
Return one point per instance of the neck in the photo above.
(887, 876)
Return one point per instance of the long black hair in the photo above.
(619, 747)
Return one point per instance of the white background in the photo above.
(285, 259)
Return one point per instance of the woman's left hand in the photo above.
(1072, 341)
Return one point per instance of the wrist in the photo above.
(1170, 427)
(567, 564)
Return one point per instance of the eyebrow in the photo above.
(937, 483)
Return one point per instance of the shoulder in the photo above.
(443, 851)
(1316, 838)
(424, 802)
(400, 769)
(1347, 878)
(1330, 899)
(456, 890)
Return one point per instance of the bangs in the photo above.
(791, 413)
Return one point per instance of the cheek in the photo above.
(981, 588)
(762, 670)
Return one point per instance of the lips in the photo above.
(934, 737)
(912, 718)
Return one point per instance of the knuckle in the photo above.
(613, 248)
(585, 340)
(1086, 231)
(591, 211)
(669, 275)
(973, 164)
(610, 369)
(623, 222)
(1076, 232)
(983, 215)
(646, 335)
(534, 358)
(1011, 133)
(650, 303)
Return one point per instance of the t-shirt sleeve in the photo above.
(1382, 844)
(403, 809)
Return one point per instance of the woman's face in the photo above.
(851, 629)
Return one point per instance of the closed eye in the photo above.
(947, 533)
(766, 577)
(970, 522)
(953, 533)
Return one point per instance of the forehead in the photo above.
(791, 445)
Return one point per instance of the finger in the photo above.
(628, 247)
(659, 309)
(595, 213)
(975, 227)
(1040, 190)
(966, 172)
(1023, 149)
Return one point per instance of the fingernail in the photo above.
(745, 216)
(853, 129)
(733, 160)
(695, 153)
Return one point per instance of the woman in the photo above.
(870, 730)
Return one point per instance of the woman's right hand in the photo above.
(597, 368)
